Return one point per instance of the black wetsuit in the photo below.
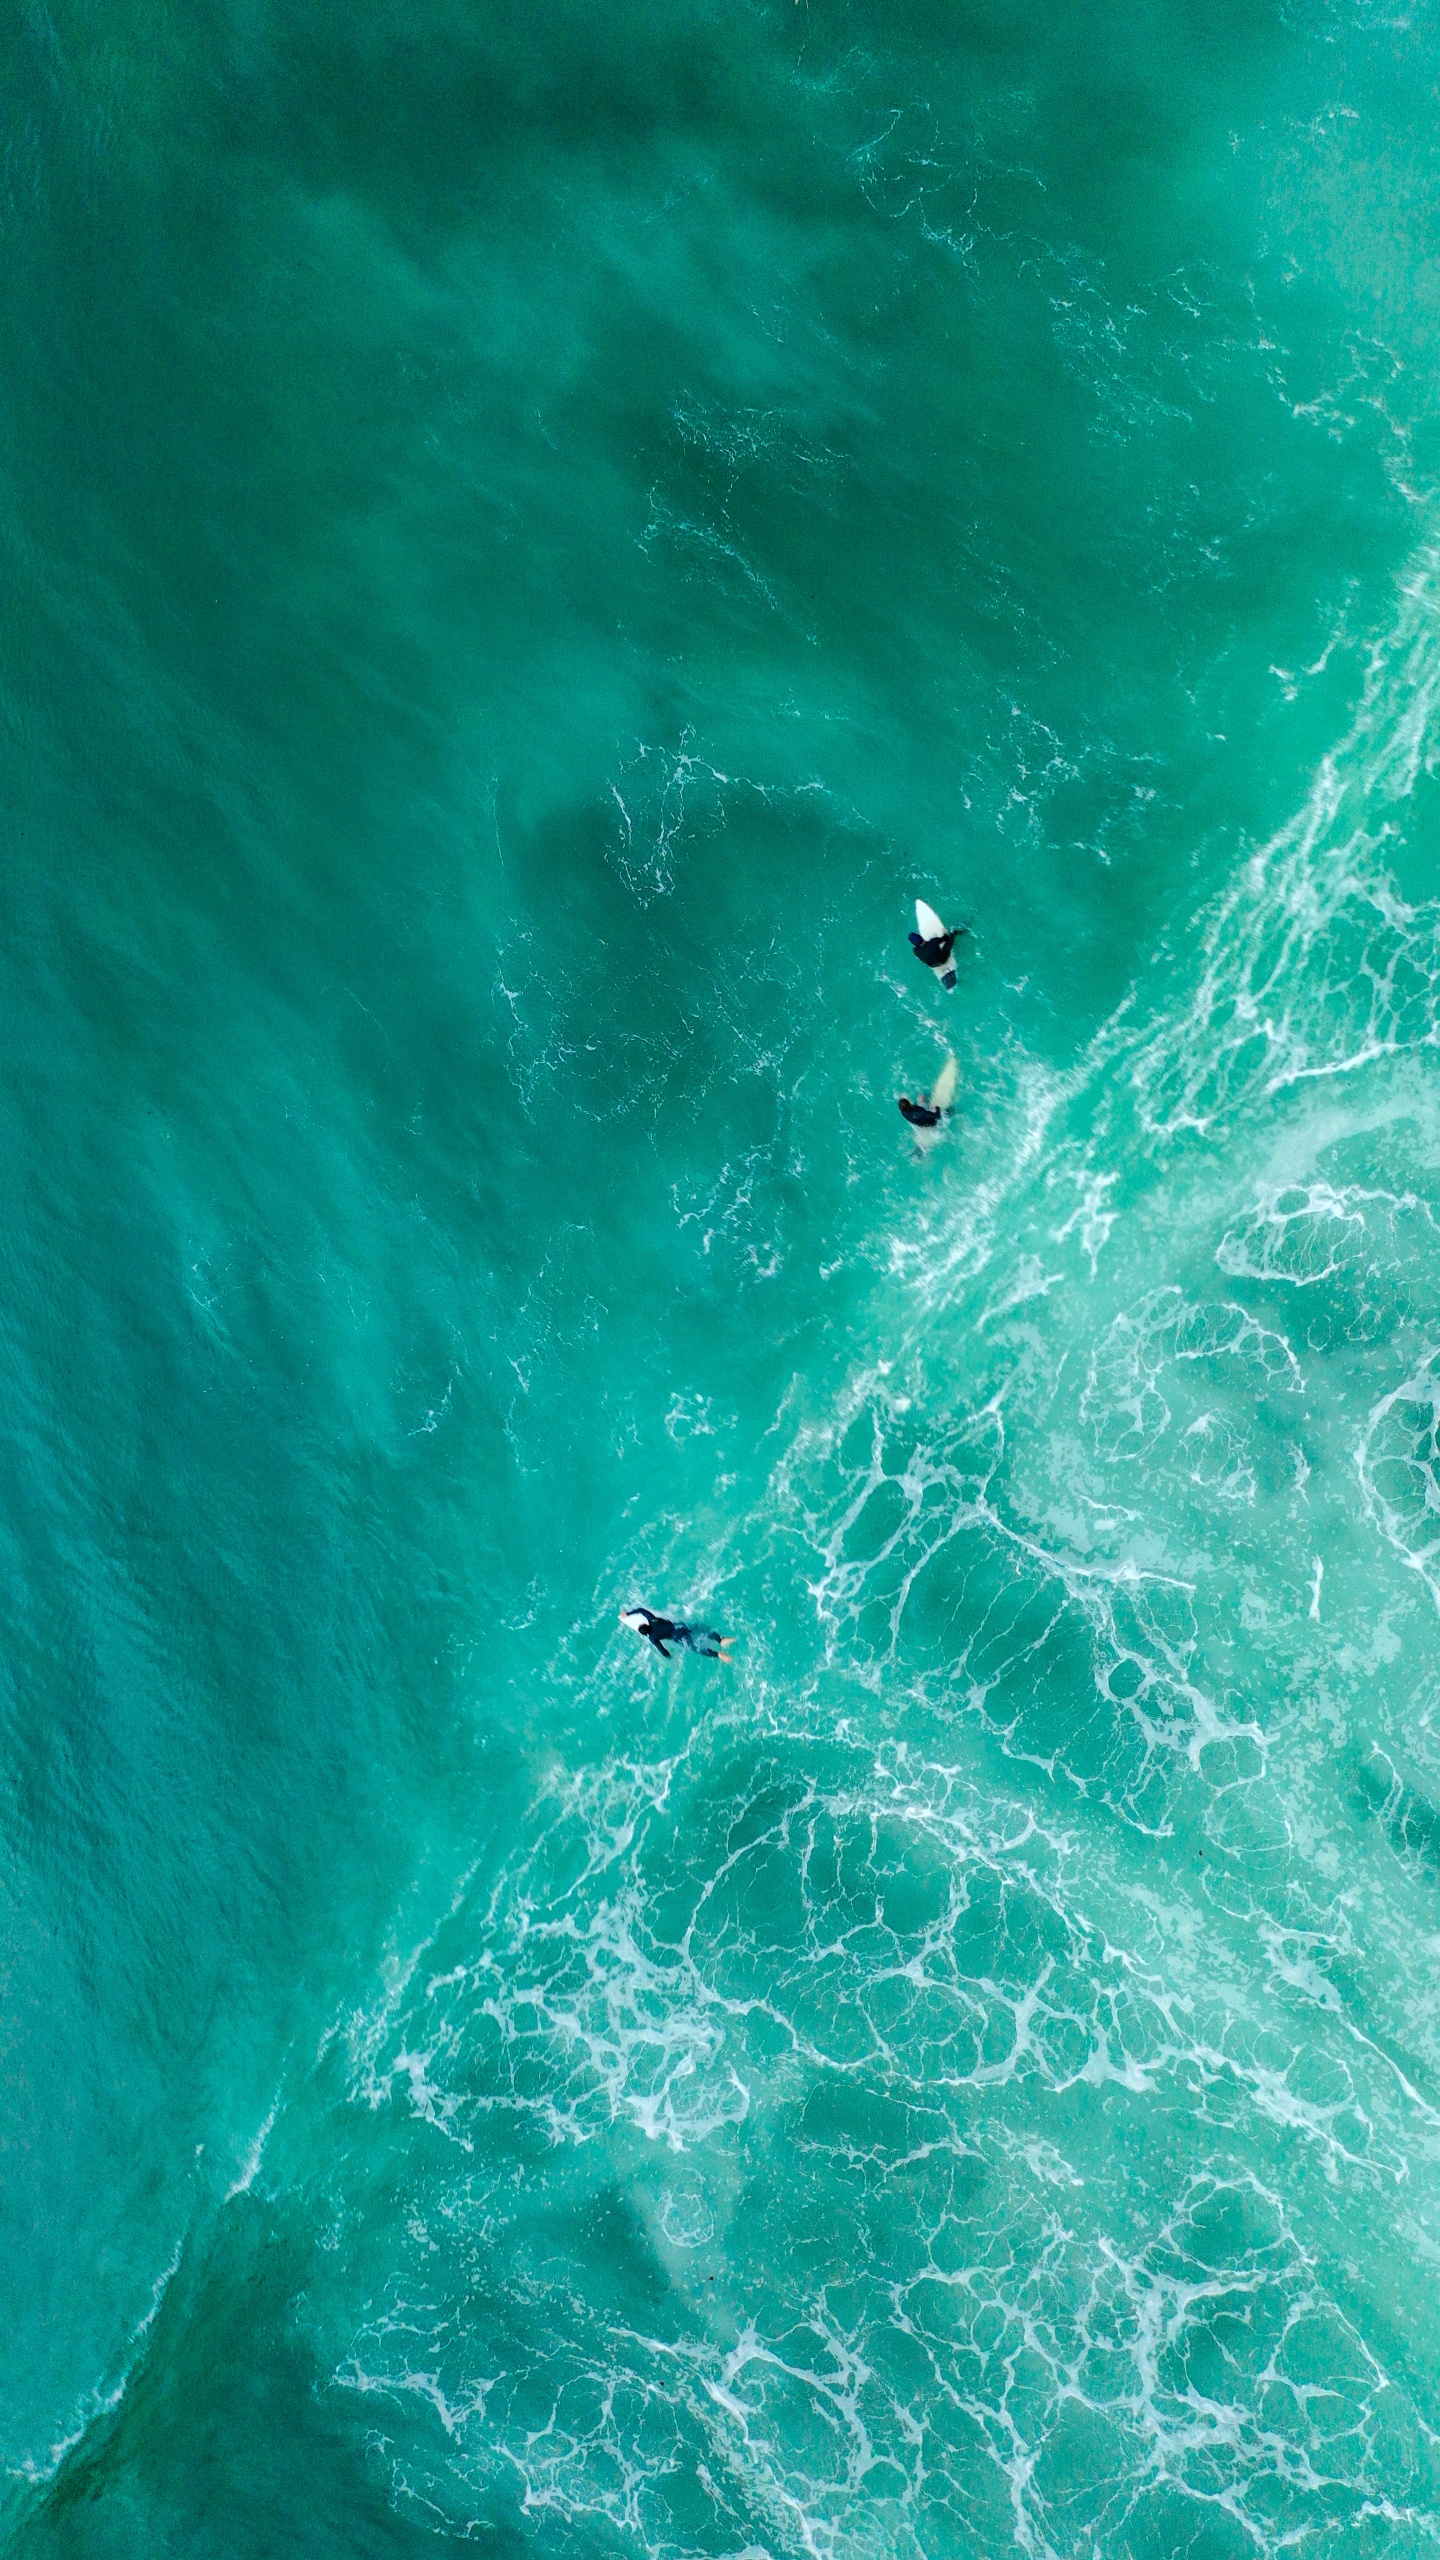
(663, 1632)
(921, 1115)
(939, 948)
(936, 952)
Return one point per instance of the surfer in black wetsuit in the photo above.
(921, 1115)
(935, 949)
(663, 1632)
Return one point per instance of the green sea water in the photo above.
(527, 538)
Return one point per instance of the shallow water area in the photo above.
(526, 549)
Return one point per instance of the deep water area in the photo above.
(528, 538)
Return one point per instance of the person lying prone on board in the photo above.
(921, 1115)
(663, 1632)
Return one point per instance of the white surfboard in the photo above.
(942, 1096)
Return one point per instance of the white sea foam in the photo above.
(249, 2169)
(106, 2396)
(941, 1966)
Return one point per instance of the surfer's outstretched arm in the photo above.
(644, 1622)
(663, 1632)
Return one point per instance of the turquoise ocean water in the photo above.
(526, 538)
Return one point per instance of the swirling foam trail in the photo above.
(1314, 966)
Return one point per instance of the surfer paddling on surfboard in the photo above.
(663, 1632)
(933, 943)
(927, 1118)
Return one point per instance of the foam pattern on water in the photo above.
(813, 2103)
(900, 1982)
